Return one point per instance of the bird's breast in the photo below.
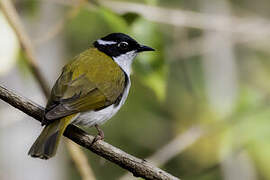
(99, 117)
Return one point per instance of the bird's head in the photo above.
(121, 48)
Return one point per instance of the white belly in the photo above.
(92, 118)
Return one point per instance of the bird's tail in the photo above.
(46, 144)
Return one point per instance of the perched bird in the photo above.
(89, 91)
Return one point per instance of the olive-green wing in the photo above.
(92, 81)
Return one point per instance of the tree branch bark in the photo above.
(139, 167)
(14, 20)
(74, 133)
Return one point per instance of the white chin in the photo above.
(125, 61)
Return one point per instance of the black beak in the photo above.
(143, 48)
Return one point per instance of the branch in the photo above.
(13, 18)
(244, 29)
(81, 161)
(246, 26)
(55, 29)
(139, 167)
(174, 147)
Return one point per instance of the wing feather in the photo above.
(78, 89)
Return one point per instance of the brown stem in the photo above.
(138, 167)
(13, 18)
(81, 162)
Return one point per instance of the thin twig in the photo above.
(177, 145)
(73, 3)
(139, 167)
(82, 162)
(244, 29)
(251, 29)
(58, 26)
(184, 18)
(13, 18)
(50, 33)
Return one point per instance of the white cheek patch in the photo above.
(102, 42)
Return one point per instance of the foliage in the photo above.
(172, 90)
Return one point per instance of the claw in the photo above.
(99, 136)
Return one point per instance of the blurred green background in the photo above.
(198, 106)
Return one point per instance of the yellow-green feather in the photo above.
(91, 81)
(99, 69)
(46, 144)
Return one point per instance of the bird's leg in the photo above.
(99, 136)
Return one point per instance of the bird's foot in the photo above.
(99, 136)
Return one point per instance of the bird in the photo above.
(91, 89)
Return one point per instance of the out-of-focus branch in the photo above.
(174, 147)
(52, 32)
(177, 145)
(245, 29)
(81, 161)
(139, 167)
(58, 26)
(176, 17)
(13, 18)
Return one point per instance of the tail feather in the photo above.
(46, 144)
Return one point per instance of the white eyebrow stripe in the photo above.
(102, 42)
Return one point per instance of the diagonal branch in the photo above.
(136, 166)
(139, 167)
(174, 147)
(14, 20)
(82, 164)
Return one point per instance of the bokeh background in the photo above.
(198, 106)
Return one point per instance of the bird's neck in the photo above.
(125, 61)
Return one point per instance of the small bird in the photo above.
(90, 90)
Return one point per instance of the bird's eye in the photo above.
(123, 45)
